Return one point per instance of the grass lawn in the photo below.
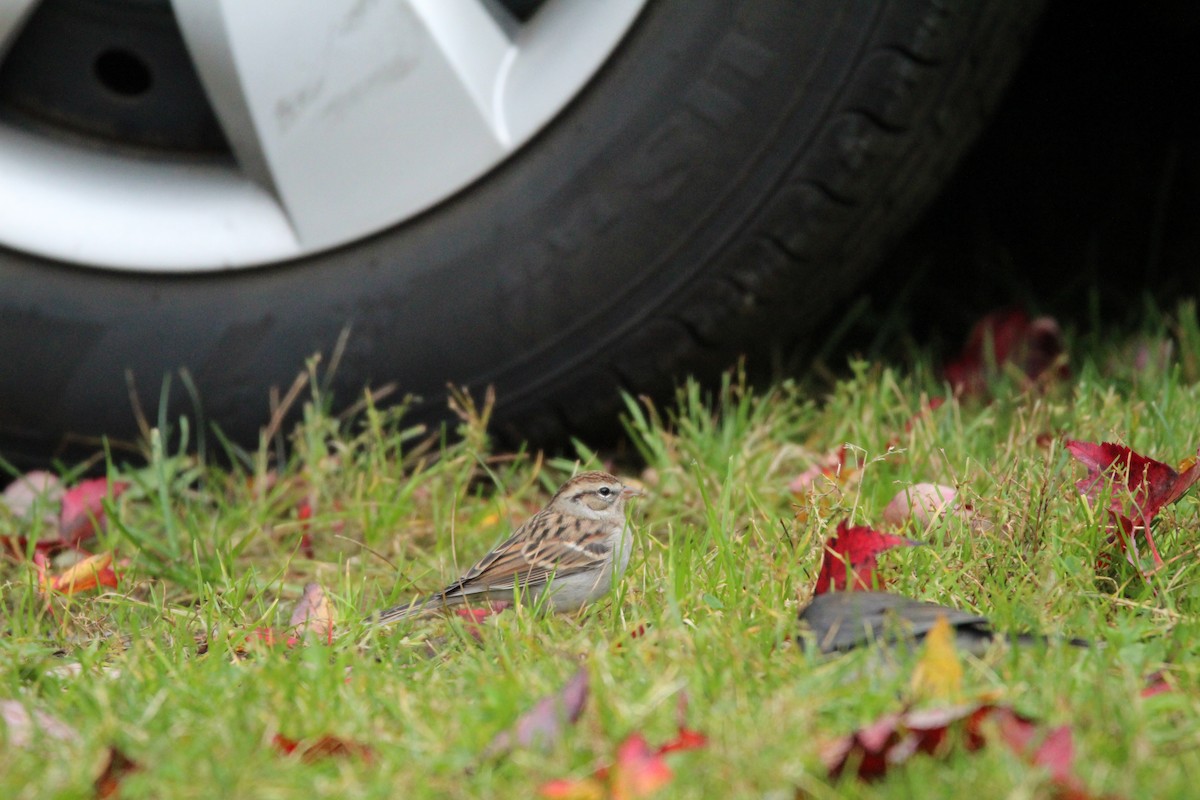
(172, 667)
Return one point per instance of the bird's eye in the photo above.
(604, 491)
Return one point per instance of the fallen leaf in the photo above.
(266, 636)
(939, 673)
(1053, 750)
(831, 467)
(1156, 684)
(637, 771)
(322, 747)
(473, 616)
(117, 766)
(312, 616)
(82, 514)
(38, 490)
(1136, 488)
(589, 788)
(1007, 337)
(850, 557)
(76, 514)
(685, 739)
(894, 738)
(542, 726)
(90, 573)
(22, 727)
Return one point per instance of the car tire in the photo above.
(730, 175)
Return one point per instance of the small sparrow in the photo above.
(574, 548)
(841, 621)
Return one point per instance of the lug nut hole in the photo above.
(123, 73)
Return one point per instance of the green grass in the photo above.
(726, 557)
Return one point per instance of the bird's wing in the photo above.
(547, 545)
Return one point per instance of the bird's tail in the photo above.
(414, 607)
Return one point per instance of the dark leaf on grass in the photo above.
(1006, 337)
(116, 767)
(543, 725)
(323, 747)
(850, 557)
(1136, 488)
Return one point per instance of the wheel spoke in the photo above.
(557, 52)
(13, 14)
(346, 109)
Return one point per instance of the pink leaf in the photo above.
(82, 514)
(543, 725)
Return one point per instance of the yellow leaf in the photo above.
(87, 574)
(939, 673)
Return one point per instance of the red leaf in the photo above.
(321, 748)
(1057, 754)
(82, 514)
(543, 724)
(473, 616)
(573, 789)
(90, 573)
(265, 635)
(1136, 487)
(80, 509)
(118, 766)
(639, 771)
(685, 739)
(894, 738)
(1005, 337)
(1156, 684)
(853, 552)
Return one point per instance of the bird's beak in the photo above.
(629, 491)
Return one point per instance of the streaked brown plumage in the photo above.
(571, 548)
